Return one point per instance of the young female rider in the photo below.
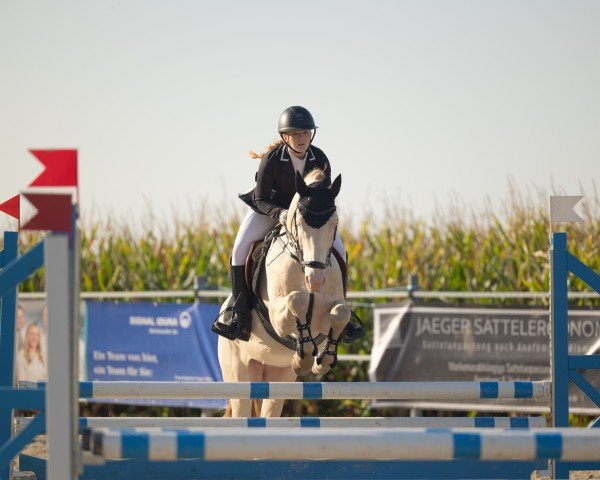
(269, 201)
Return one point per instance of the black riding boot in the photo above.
(352, 331)
(235, 321)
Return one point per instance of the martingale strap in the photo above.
(304, 333)
(263, 315)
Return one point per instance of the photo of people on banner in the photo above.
(31, 343)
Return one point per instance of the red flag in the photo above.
(60, 171)
(53, 212)
(11, 207)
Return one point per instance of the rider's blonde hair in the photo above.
(272, 146)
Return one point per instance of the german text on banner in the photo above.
(144, 341)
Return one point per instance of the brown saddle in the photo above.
(254, 271)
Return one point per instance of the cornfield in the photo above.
(460, 249)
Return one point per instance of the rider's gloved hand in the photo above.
(283, 217)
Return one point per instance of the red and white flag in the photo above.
(53, 212)
(60, 171)
(12, 207)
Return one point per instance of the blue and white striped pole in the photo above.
(314, 422)
(352, 444)
(315, 390)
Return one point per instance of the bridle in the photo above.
(294, 241)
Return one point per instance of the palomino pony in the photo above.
(303, 293)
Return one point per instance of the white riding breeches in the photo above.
(253, 228)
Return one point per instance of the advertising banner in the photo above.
(445, 343)
(146, 341)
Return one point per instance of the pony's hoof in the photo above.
(302, 367)
(300, 371)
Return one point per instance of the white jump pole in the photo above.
(351, 444)
(318, 390)
(315, 422)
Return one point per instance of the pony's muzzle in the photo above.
(314, 279)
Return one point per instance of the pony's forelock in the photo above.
(315, 176)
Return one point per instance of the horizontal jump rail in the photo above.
(313, 390)
(353, 444)
(314, 422)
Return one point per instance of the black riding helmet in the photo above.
(296, 118)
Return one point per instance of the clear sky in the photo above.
(416, 100)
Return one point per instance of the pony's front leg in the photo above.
(292, 314)
(272, 407)
(252, 371)
(241, 408)
(339, 316)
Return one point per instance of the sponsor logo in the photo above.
(185, 320)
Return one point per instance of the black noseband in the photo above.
(314, 264)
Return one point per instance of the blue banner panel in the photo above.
(145, 341)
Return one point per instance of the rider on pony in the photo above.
(269, 202)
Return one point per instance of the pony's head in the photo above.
(312, 220)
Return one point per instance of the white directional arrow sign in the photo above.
(562, 209)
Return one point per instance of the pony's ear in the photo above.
(337, 184)
(301, 187)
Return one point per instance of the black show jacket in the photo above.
(276, 180)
